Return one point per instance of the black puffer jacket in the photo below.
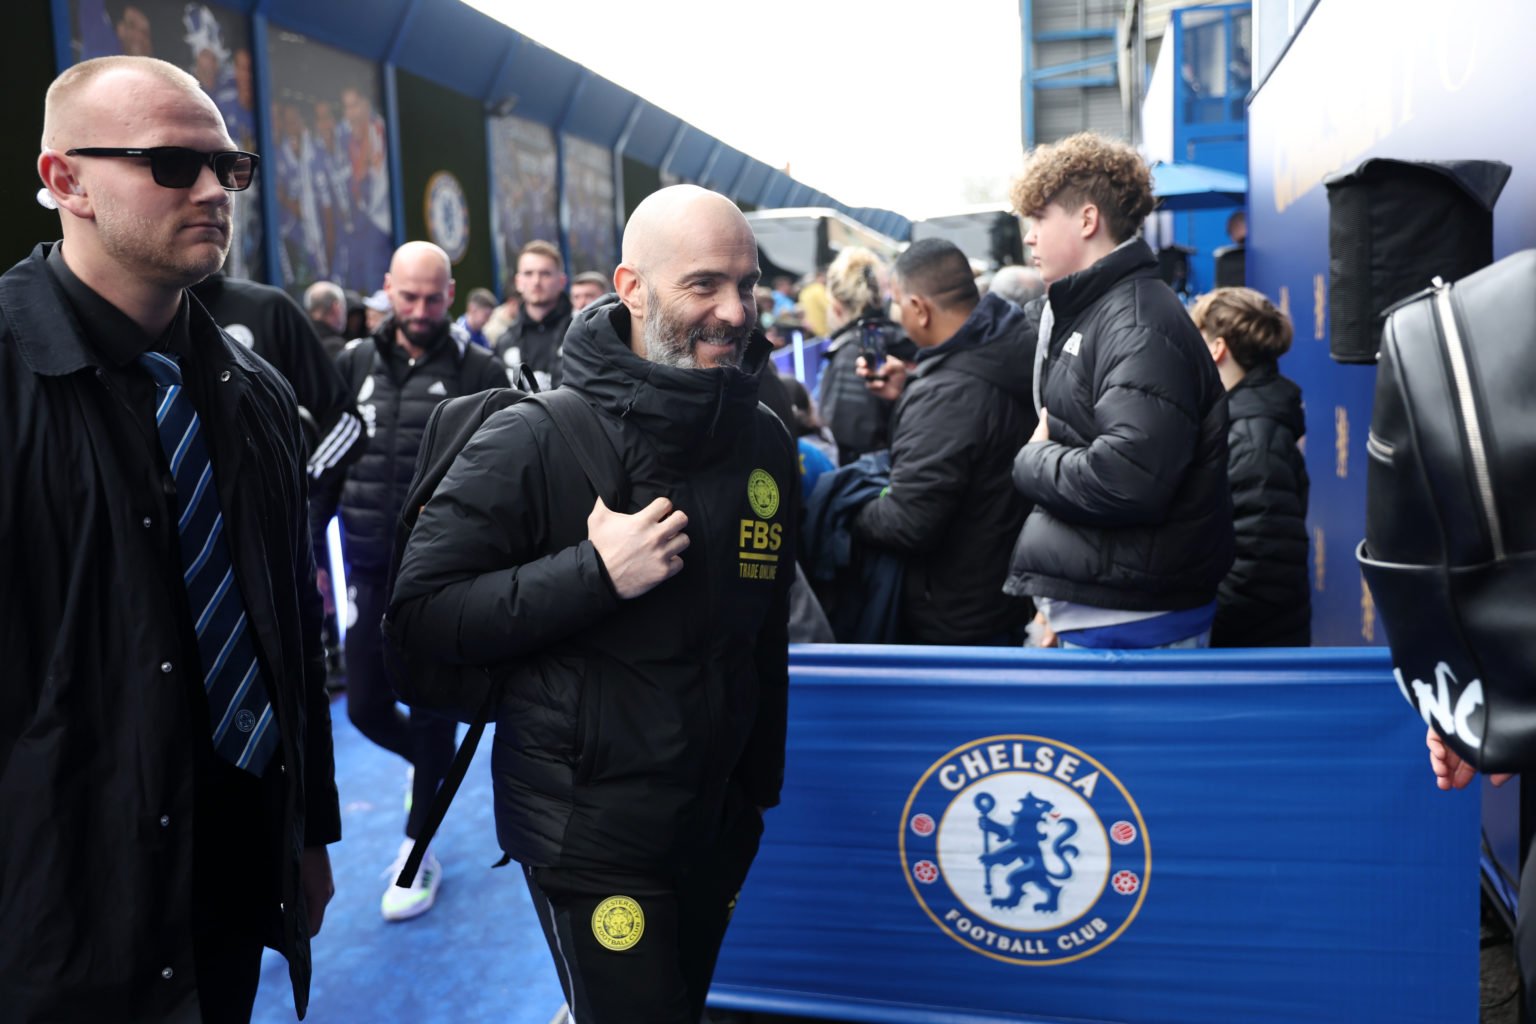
(621, 722)
(1265, 601)
(951, 506)
(395, 397)
(1132, 509)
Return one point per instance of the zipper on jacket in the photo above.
(1474, 431)
(1376, 447)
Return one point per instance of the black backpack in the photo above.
(1450, 548)
(468, 693)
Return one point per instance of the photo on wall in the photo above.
(214, 44)
(330, 167)
(524, 205)
(590, 207)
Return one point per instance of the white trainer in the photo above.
(401, 903)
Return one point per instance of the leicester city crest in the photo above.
(1026, 850)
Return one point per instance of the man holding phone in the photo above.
(961, 417)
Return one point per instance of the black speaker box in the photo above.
(1231, 266)
(1394, 226)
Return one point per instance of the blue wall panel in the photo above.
(1433, 81)
(652, 135)
(453, 45)
(366, 30)
(723, 169)
(539, 81)
(692, 154)
(600, 111)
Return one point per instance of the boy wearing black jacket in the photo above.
(1132, 526)
(1265, 600)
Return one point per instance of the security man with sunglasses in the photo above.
(166, 772)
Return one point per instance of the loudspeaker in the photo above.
(1231, 266)
(1393, 227)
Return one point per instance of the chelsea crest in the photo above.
(1025, 850)
(448, 215)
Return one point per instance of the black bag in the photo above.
(1396, 225)
(1450, 548)
(467, 693)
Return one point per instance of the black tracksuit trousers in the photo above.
(640, 948)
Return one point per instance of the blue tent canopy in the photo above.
(1182, 186)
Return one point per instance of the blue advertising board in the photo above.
(1425, 80)
(974, 835)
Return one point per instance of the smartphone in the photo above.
(872, 348)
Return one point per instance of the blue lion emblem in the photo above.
(1025, 842)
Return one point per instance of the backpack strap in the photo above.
(449, 787)
(589, 442)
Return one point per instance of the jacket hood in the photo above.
(1263, 392)
(1076, 292)
(996, 343)
(692, 416)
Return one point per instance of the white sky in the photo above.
(910, 105)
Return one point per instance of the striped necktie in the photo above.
(244, 732)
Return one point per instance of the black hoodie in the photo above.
(951, 505)
(622, 723)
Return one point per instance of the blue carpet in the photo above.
(478, 955)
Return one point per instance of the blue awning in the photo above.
(1197, 187)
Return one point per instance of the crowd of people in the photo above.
(1061, 455)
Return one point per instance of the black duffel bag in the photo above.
(1450, 545)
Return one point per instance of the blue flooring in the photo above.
(478, 955)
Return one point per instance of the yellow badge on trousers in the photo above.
(618, 922)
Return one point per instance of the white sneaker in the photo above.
(410, 786)
(401, 903)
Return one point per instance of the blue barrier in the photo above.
(1191, 837)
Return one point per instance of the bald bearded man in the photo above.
(397, 376)
(166, 772)
(641, 650)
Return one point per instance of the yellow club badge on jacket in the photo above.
(760, 538)
(618, 922)
(763, 493)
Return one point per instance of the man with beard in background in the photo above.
(397, 376)
(664, 618)
(535, 337)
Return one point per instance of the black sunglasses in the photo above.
(178, 166)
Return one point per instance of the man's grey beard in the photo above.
(668, 343)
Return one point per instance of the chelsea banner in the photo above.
(1011, 835)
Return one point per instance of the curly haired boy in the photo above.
(1132, 524)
